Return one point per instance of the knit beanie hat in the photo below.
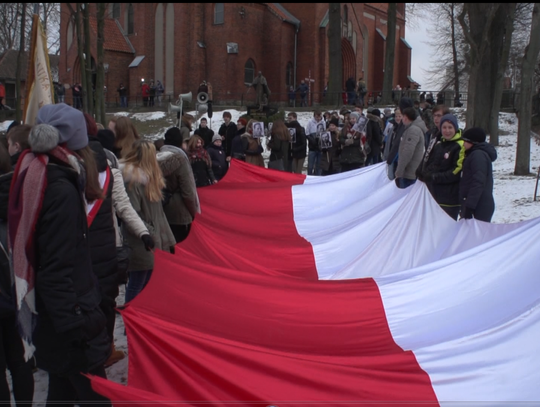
(356, 115)
(376, 112)
(404, 103)
(106, 138)
(334, 121)
(474, 135)
(173, 137)
(216, 137)
(387, 112)
(69, 122)
(449, 118)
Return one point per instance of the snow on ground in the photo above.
(513, 200)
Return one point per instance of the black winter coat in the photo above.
(206, 134)
(239, 145)
(67, 293)
(351, 153)
(298, 148)
(229, 132)
(374, 135)
(219, 163)
(444, 166)
(7, 301)
(476, 187)
(102, 238)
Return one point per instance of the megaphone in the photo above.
(202, 97)
(180, 105)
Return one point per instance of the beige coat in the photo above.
(151, 214)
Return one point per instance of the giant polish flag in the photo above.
(338, 290)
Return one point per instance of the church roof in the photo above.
(8, 64)
(115, 39)
(282, 13)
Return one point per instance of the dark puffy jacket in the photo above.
(67, 292)
(444, 165)
(476, 186)
(219, 162)
(298, 148)
(374, 134)
(229, 132)
(206, 134)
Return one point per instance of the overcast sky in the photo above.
(416, 37)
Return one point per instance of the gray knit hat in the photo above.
(69, 122)
(451, 119)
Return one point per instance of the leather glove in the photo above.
(466, 213)
(397, 180)
(148, 242)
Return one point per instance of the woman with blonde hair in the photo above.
(200, 161)
(254, 149)
(144, 183)
(126, 135)
(279, 145)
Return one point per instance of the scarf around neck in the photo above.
(25, 201)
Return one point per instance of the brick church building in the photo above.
(226, 44)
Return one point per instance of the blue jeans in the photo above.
(314, 163)
(123, 101)
(304, 102)
(137, 281)
(351, 98)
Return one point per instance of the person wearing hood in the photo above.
(476, 186)
(442, 171)
(62, 317)
(238, 145)
(217, 155)
(411, 148)
(393, 146)
(183, 203)
(205, 132)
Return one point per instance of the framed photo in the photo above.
(292, 132)
(320, 128)
(258, 129)
(360, 125)
(326, 139)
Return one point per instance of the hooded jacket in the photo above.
(476, 186)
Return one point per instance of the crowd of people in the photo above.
(88, 205)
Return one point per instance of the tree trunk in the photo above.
(335, 80)
(523, 153)
(18, 110)
(499, 61)
(100, 80)
(477, 34)
(454, 49)
(78, 24)
(87, 87)
(390, 52)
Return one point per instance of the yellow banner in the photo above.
(39, 83)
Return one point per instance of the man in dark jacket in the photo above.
(300, 144)
(70, 336)
(476, 186)
(227, 131)
(374, 136)
(205, 132)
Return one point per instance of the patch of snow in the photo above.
(143, 117)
